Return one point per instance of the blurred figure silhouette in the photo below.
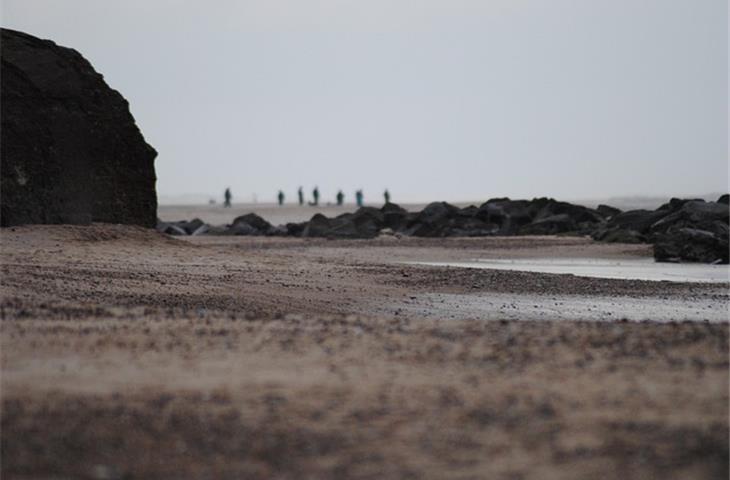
(227, 197)
(281, 198)
(386, 195)
(315, 196)
(301, 196)
(359, 198)
(340, 198)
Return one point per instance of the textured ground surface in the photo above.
(130, 355)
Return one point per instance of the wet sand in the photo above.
(630, 269)
(126, 354)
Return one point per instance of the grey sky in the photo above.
(434, 99)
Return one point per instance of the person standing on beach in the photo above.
(359, 198)
(227, 197)
(315, 196)
(301, 196)
(386, 194)
(281, 198)
(340, 198)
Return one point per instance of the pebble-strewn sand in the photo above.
(126, 354)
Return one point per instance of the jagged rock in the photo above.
(607, 210)
(392, 208)
(366, 222)
(552, 225)
(494, 213)
(689, 244)
(278, 231)
(394, 217)
(183, 227)
(724, 199)
(191, 226)
(318, 226)
(433, 221)
(472, 228)
(71, 152)
(676, 203)
(295, 229)
(243, 229)
(637, 220)
(201, 230)
(577, 213)
(253, 221)
(436, 212)
(171, 229)
(692, 214)
(217, 230)
(619, 235)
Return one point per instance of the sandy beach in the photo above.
(129, 354)
(214, 263)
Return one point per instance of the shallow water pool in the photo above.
(629, 269)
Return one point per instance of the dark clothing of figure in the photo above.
(301, 196)
(315, 196)
(386, 194)
(227, 198)
(359, 198)
(281, 198)
(340, 198)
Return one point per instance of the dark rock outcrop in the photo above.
(693, 245)
(617, 235)
(607, 211)
(551, 225)
(696, 214)
(251, 224)
(71, 152)
(636, 220)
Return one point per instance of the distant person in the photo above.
(281, 198)
(227, 198)
(301, 196)
(386, 195)
(359, 198)
(315, 196)
(340, 198)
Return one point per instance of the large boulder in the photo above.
(255, 222)
(578, 213)
(561, 223)
(71, 152)
(618, 235)
(693, 245)
(318, 226)
(637, 220)
(434, 220)
(696, 214)
(394, 216)
(607, 210)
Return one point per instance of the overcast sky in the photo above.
(433, 99)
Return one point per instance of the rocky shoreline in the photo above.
(680, 230)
